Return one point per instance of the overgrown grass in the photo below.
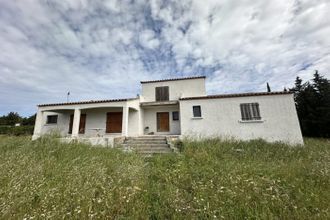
(210, 179)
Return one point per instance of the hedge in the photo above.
(17, 131)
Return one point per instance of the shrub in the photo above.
(17, 131)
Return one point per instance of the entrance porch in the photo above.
(87, 122)
(161, 118)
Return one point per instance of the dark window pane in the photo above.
(197, 111)
(51, 119)
(175, 116)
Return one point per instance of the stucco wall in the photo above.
(96, 118)
(222, 117)
(133, 122)
(177, 89)
(62, 125)
(150, 119)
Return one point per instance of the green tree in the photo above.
(268, 88)
(29, 120)
(313, 105)
(12, 118)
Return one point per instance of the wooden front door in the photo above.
(70, 124)
(163, 122)
(114, 122)
(82, 124)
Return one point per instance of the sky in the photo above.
(102, 49)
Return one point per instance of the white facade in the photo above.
(220, 115)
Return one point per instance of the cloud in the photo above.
(103, 48)
(148, 39)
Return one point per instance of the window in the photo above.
(51, 119)
(175, 116)
(197, 111)
(250, 111)
(162, 93)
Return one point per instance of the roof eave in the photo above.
(86, 102)
(173, 79)
(237, 95)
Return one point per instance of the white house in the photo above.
(172, 107)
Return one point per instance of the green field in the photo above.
(211, 179)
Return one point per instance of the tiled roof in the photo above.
(174, 79)
(87, 102)
(235, 95)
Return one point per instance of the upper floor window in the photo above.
(197, 113)
(162, 93)
(250, 111)
(52, 119)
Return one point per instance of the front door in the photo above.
(163, 122)
(114, 122)
(82, 124)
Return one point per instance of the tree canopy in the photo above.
(13, 117)
(313, 105)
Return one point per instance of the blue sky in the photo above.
(101, 49)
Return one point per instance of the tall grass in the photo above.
(211, 179)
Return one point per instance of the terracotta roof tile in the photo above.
(174, 79)
(87, 102)
(235, 95)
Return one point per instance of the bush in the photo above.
(17, 131)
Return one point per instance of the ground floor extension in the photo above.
(101, 123)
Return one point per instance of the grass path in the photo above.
(211, 179)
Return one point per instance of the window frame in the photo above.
(200, 111)
(177, 118)
(50, 122)
(163, 95)
(250, 112)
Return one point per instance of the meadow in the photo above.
(210, 179)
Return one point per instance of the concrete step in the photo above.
(145, 142)
(146, 145)
(146, 138)
(150, 148)
(154, 151)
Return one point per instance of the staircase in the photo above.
(147, 145)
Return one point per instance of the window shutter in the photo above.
(162, 93)
(254, 110)
(250, 111)
(166, 93)
(158, 95)
(243, 112)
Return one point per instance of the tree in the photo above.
(313, 105)
(29, 120)
(268, 88)
(12, 118)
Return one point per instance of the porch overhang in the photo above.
(162, 103)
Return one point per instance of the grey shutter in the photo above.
(248, 112)
(158, 93)
(243, 112)
(165, 93)
(162, 93)
(257, 111)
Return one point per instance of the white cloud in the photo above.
(148, 39)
